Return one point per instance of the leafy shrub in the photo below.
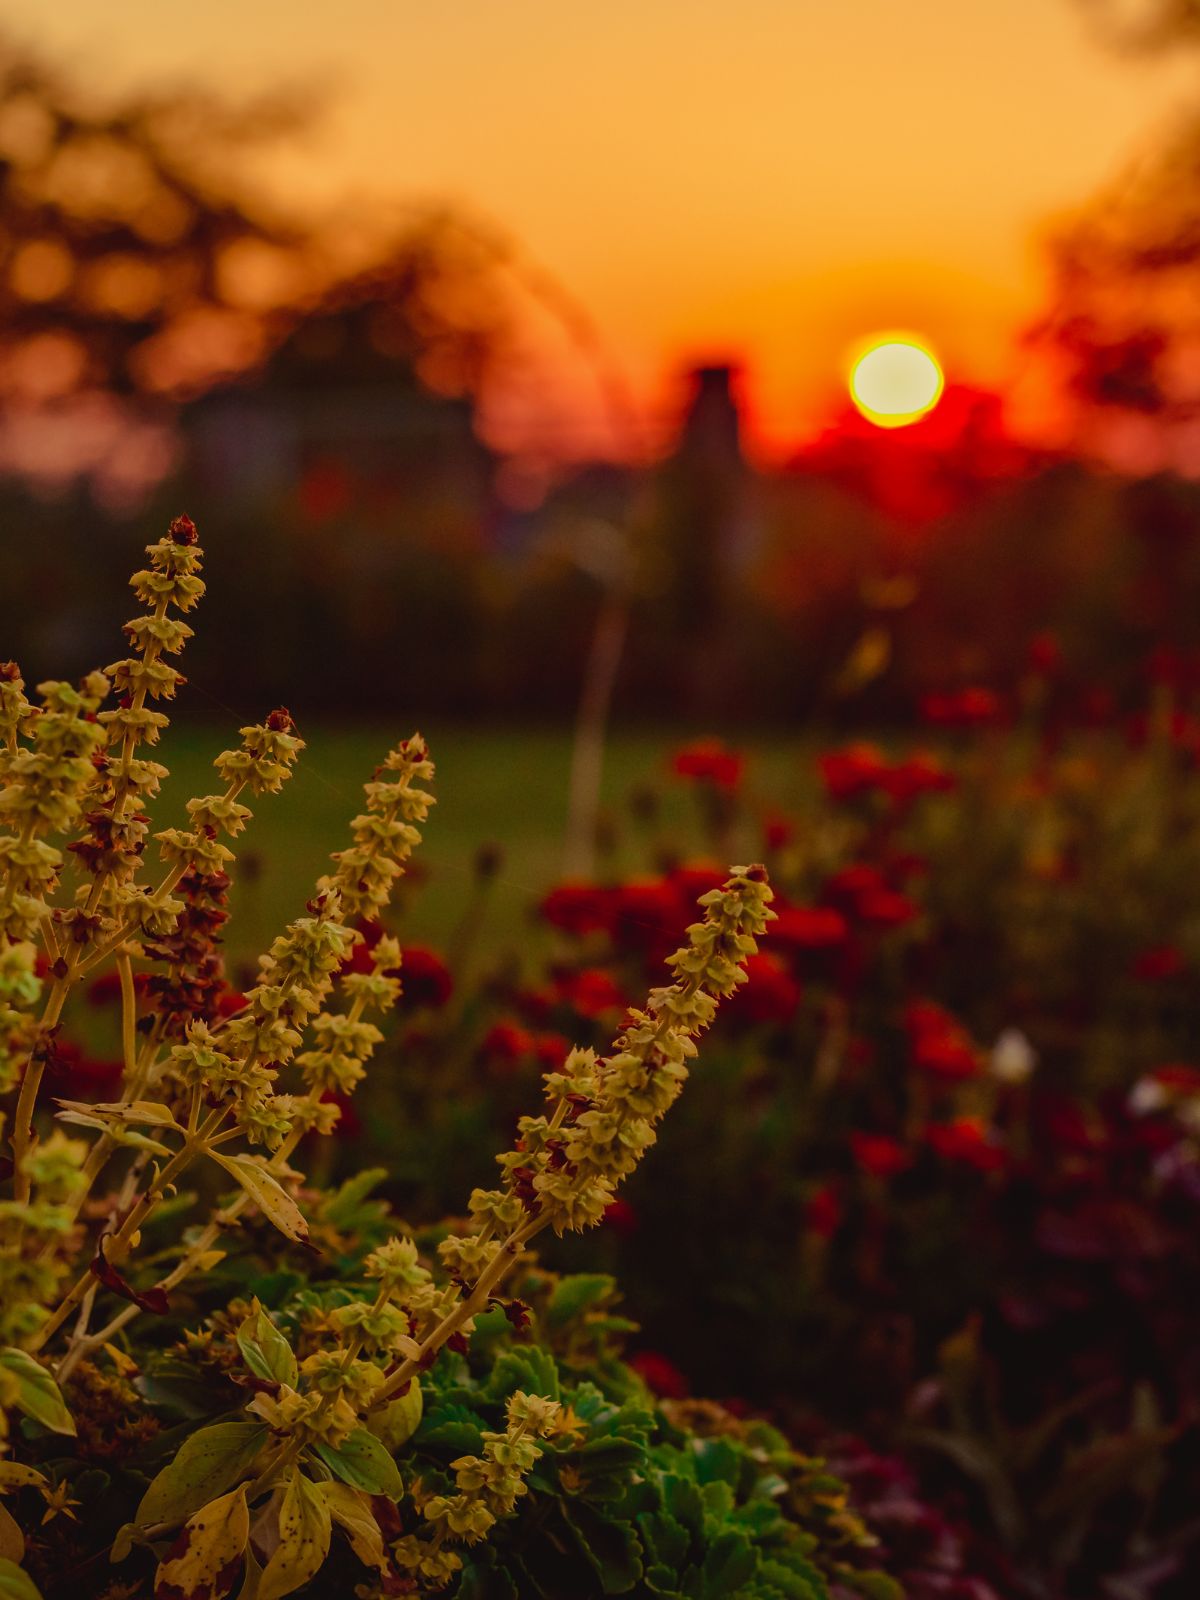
(940, 1176)
(204, 1385)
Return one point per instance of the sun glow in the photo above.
(894, 380)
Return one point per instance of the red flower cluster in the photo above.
(709, 761)
(938, 1043)
(809, 928)
(964, 708)
(869, 899)
(967, 1142)
(860, 769)
(659, 1375)
(645, 914)
(770, 993)
(1158, 964)
(879, 1156)
(590, 991)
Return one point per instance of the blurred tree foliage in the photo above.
(1123, 318)
(135, 263)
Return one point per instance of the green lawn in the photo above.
(504, 787)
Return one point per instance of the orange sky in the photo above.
(768, 178)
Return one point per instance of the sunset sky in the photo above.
(768, 180)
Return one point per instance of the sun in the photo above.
(895, 380)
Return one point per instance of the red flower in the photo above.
(878, 1155)
(621, 1216)
(659, 1375)
(778, 831)
(823, 1212)
(770, 994)
(919, 774)
(854, 881)
(349, 1124)
(649, 912)
(1045, 655)
(104, 990)
(74, 1076)
(507, 1041)
(1163, 961)
(709, 761)
(966, 708)
(966, 1141)
(551, 1050)
(693, 881)
(946, 1056)
(229, 1002)
(809, 928)
(592, 992)
(578, 908)
(856, 770)
(886, 908)
(425, 978)
(1178, 1075)
(939, 1044)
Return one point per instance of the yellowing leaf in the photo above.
(15, 1584)
(16, 1475)
(351, 1510)
(396, 1422)
(37, 1392)
(204, 1561)
(273, 1201)
(12, 1540)
(145, 1113)
(304, 1532)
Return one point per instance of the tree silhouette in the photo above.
(135, 263)
(1122, 322)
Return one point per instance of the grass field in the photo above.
(503, 787)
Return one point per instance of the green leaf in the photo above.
(396, 1422)
(530, 1368)
(666, 1540)
(873, 1585)
(37, 1393)
(611, 1547)
(718, 1499)
(264, 1349)
(661, 1581)
(683, 1500)
(304, 1532)
(362, 1462)
(576, 1294)
(345, 1208)
(271, 1199)
(209, 1463)
(729, 1563)
(15, 1584)
(450, 1429)
(174, 1385)
(718, 1460)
